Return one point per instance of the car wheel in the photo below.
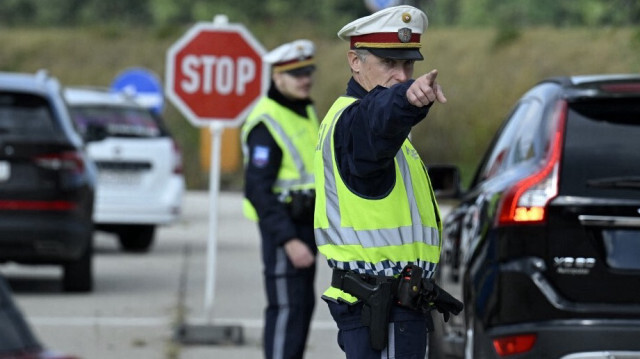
(78, 275)
(436, 337)
(469, 347)
(137, 238)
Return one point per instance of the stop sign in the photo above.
(215, 73)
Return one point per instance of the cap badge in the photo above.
(300, 50)
(404, 34)
(406, 17)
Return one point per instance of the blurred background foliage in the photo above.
(326, 13)
(488, 52)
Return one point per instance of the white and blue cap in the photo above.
(392, 33)
(294, 57)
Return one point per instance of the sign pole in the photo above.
(215, 74)
(216, 129)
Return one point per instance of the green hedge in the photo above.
(482, 71)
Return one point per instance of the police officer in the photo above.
(278, 142)
(375, 209)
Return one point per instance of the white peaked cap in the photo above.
(393, 32)
(292, 56)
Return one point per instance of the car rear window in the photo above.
(116, 121)
(602, 149)
(26, 116)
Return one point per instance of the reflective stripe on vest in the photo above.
(404, 231)
(294, 173)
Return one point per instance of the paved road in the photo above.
(139, 300)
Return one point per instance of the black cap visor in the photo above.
(302, 71)
(397, 54)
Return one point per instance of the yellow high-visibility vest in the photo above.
(295, 135)
(375, 236)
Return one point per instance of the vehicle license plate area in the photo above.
(5, 171)
(119, 178)
(622, 247)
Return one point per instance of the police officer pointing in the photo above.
(376, 217)
(278, 141)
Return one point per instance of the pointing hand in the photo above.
(425, 90)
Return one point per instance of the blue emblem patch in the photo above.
(260, 156)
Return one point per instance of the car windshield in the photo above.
(116, 121)
(26, 116)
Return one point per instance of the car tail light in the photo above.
(68, 160)
(27, 205)
(177, 158)
(514, 344)
(630, 87)
(526, 201)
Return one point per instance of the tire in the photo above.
(470, 351)
(137, 239)
(436, 349)
(436, 337)
(77, 276)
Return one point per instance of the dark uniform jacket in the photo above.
(261, 175)
(370, 132)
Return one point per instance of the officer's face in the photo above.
(296, 87)
(372, 70)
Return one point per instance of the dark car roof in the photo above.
(40, 82)
(582, 81)
(590, 86)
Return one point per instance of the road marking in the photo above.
(155, 322)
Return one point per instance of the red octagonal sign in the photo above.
(215, 73)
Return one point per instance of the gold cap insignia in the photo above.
(406, 17)
(300, 50)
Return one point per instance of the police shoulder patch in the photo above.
(260, 157)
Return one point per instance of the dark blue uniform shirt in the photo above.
(369, 134)
(260, 175)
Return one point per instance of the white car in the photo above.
(140, 178)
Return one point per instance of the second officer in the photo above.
(278, 141)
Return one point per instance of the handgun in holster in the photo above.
(377, 301)
(423, 294)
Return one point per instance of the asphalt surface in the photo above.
(141, 300)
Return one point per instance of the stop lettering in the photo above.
(222, 74)
(216, 73)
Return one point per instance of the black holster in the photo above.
(302, 206)
(424, 295)
(377, 300)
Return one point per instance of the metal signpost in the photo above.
(214, 76)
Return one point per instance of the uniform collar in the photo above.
(297, 106)
(355, 90)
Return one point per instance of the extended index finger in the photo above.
(431, 77)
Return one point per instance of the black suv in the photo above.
(47, 183)
(544, 247)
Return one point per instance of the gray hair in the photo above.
(362, 54)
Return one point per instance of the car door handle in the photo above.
(609, 221)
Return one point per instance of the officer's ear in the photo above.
(355, 61)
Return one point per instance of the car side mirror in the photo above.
(445, 180)
(95, 133)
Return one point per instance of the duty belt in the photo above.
(378, 293)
